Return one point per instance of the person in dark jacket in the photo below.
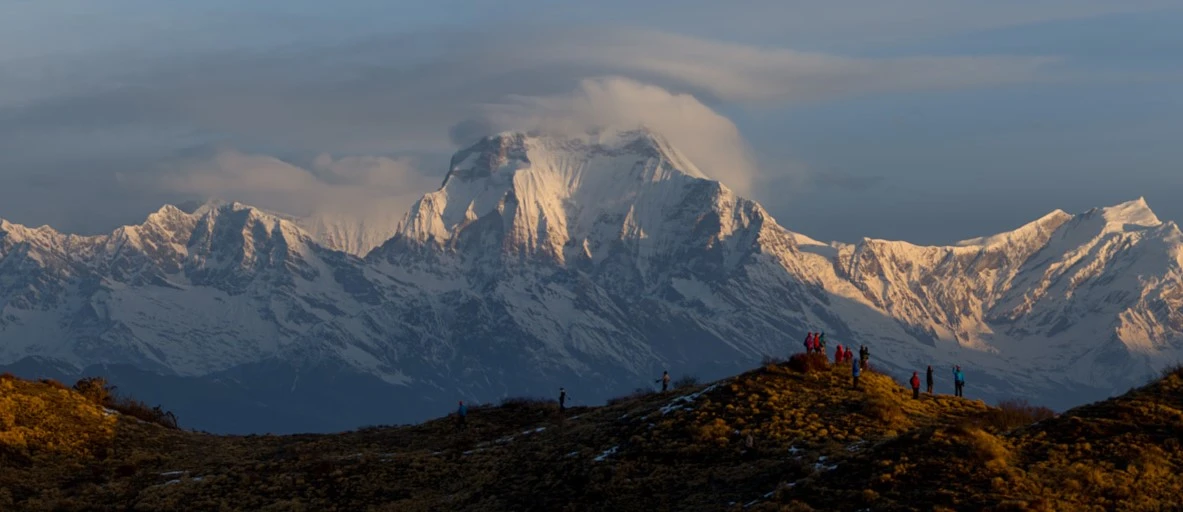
(855, 371)
(864, 354)
(958, 381)
(915, 385)
(562, 399)
(930, 379)
(462, 415)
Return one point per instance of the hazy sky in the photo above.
(925, 120)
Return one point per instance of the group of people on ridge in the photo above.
(815, 343)
(958, 382)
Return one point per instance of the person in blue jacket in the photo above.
(855, 371)
(462, 415)
(958, 381)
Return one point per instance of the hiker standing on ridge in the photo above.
(808, 342)
(930, 379)
(958, 382)
(848, 356)
(562, 399)
(821, 343)
(855, 371)
(462, 415)
(838, 355)
(863, 355)
(664, 380)
(915, 385)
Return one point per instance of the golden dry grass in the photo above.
(769, 439)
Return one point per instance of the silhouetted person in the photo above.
(958, 381)
(915, 385)
(462, 415)
(562, 399)
(855, 371)
(930, 379)
(864, 354)
(664, 380)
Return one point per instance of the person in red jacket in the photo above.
(848, 356)
(808, 343)
(838, 355)
(915, 385)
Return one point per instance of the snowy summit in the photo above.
(594, 262)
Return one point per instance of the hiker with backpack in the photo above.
(930, 379)
(664, 380)
(958, 382)
(915, 385)
(821, 343)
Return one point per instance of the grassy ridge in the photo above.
(781, 437)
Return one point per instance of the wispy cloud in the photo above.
(409, 92)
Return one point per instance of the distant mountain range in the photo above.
(591, 263)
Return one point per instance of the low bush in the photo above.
(53, 383)
(95, 389)
(1012, 414)
(140, 410)
(686, 382)
(809, 363)
(1173, 369)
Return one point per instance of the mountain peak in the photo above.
(548, 190)
(506, 152)
(1136, 212)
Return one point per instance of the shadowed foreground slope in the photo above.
(774, 438)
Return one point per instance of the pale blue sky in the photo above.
(923, 120)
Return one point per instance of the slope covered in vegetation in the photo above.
(781, 437)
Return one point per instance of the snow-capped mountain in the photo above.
(592, 263)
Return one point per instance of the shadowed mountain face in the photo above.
(592, 264)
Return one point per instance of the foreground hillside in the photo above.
(787, 436)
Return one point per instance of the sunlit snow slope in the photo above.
(591, 263)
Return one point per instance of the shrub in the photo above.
(884, 412)
(686, 382)
(1012, 414)
(809, 363)
(95, 389)
(53, 383)
(1173, 369)
(140, 410)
